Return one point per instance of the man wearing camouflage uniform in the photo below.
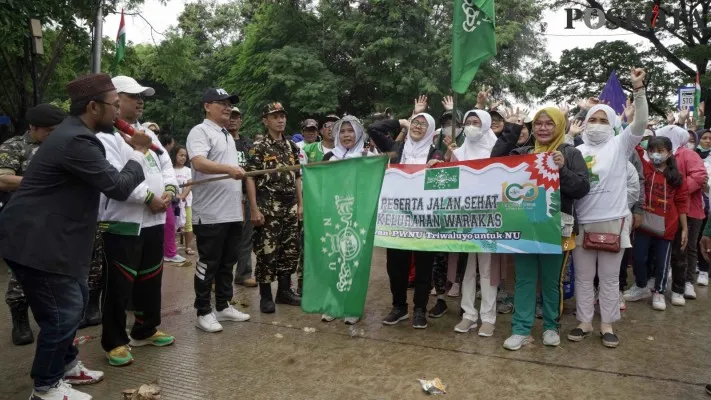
(15, 155)
(276, 207)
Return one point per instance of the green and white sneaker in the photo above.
(120, 356)
(159, 339)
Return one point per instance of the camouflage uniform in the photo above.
(276, 243)
(15, 156)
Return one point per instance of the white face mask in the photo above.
(473, 133)
(690, 146)
(598, 133)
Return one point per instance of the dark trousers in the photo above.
(643, 244)
(683, 262)
(57, 303)
(134, 272)
(398, 265)
(217, 246)
(703, 264)
(244, 249)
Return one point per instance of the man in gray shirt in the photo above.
(217, 210)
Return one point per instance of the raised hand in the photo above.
(629, 111)
(684, 114)
(483, 96)
(670, 117)
(691, 124)
(638, 75)
(448, 103)
(420, 104)
(576, 127)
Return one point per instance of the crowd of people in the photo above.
(109, 209)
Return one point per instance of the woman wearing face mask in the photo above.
(479, 140)
(549, 134)
(694, 172)
(665, 208)
(603, 212)
(703, 150)
(417, 148)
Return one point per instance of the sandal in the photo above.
(577, 335)
(609, 340)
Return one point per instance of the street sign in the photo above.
(686, 97)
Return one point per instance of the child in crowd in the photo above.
(179, 155)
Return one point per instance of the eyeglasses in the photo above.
(224, 104)
(328, 125)
(498, 120)
(116, 105)
(547, 125)
(418, 124)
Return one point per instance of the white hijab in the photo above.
(678, 136)
(416, 152)
(476, 149)
(340, 152)
(614, 127)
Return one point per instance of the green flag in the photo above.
(473, 40)
(340, 207)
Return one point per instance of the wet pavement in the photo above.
(662, 355)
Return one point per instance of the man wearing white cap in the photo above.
(133, 236)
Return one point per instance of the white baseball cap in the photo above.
(126, 84)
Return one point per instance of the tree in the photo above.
(64, 22)
(582, 73)
(681, 37)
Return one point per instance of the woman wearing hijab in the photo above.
(549, 136)
(685, 258)
(349, 142)
(479, 139)
(417, 148)
(604, 213)
(703, 149)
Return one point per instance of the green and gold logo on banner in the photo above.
(442, 178)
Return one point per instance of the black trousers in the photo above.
(134, 270)
(398, 265)
(218, 251)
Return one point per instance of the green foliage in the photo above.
(582, 73)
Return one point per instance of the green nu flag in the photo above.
(340, 206)
(473, 40)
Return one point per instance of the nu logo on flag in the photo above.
(442, 178)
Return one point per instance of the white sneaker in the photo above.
(60, 391)
(327, 318)
(658, 302)
(81, 375)
(551, 338)
(650, 283)
(623, 305)
(678, 299)
(175, 259)
(636, 293)
(465, 326)
(515, 342)
(703, 279)
(454, 290)
(351, 320)
(689, 292)
(208, 323)
(231, 314)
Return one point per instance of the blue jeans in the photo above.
(57, 303)
(660, 249)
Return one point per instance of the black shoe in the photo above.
(92, 315)
(708, 389)
(577, 335)
(439, 309)
(419, 321)
(266, 303)
(285, 295)
(395, 316)
(610, 340)
(21, 331)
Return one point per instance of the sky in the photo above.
(559, 38)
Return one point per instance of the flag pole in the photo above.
(98, 32)
(454, 116)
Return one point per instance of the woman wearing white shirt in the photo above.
(479, 140)
(604, 210)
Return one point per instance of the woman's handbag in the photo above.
(608, 242)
